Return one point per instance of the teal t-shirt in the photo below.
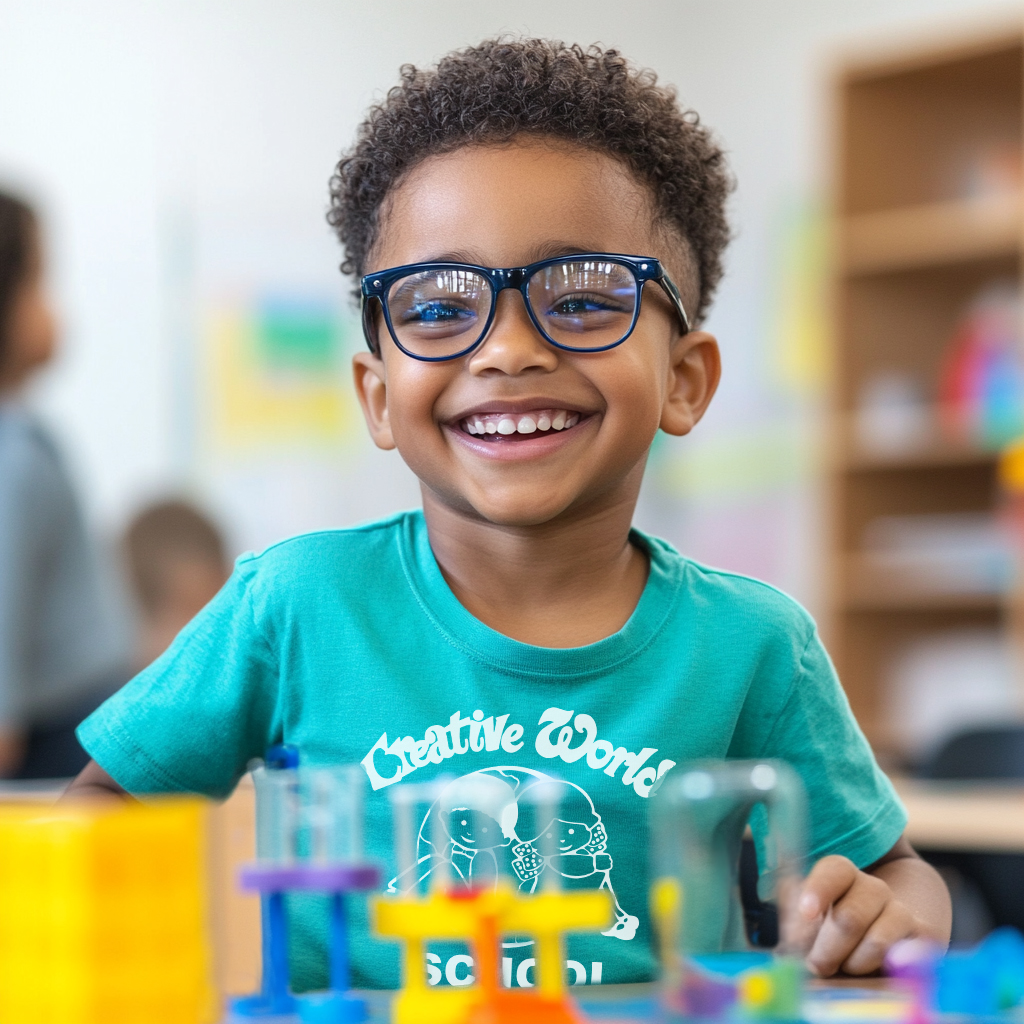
(350, 645)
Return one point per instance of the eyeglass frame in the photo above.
(643, 268)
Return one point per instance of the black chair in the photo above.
(990, 754)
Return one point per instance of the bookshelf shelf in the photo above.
(956, 231)
(873, 589)
(931, 451)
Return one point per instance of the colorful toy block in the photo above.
(104, 915)
(979, 982)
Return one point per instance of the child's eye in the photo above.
(584, 303)
(436, 311)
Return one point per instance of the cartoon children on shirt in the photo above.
(489, 827)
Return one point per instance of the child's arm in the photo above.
(860, 914)
(92, 781)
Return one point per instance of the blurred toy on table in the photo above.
(979, 982)
(309, 838)
(105, 916)
(710, 969)
(438, 902)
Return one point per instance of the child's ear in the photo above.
(371, 387)
(695, 367)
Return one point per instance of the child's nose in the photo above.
(513, 345)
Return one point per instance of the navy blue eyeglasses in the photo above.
(588, 302)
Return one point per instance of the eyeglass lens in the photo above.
(580, 304)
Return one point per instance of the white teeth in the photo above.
(526, 423)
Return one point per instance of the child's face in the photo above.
(568, 836)
(474, 830)
(503, 207)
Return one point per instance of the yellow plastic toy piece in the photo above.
(756, 990)
(104, 915)
(773, 992)
(666, 900)
(482, 918)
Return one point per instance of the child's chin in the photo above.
(519, 514)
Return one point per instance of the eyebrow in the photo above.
(543, 252)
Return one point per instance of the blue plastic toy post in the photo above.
(339, 944)
(276, 964)
(281, 756)
(274, 999)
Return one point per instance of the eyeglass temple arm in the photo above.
(672, 292)
(366, 313)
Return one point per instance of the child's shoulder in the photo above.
(349, 551)
(731, 597)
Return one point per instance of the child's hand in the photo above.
(857, 915)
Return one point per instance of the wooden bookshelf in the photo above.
(916, 238)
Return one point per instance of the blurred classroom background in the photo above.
(870, 315)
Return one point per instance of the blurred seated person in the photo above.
(61, 647)
(176, 563)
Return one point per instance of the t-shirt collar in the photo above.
(486, 645)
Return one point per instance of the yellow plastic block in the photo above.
(482, 918)
(434, 1006)
(104, 914)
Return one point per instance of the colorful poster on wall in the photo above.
(278, 374)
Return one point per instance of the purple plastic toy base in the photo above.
(305, 875)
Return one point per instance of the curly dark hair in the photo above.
(506, 87)
(17, 223)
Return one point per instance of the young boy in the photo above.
(517, 626)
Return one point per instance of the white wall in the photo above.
(159, 136)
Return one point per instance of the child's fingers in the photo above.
(894, 923)
(829, 879)
(846, 924)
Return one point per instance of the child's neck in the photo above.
(567, 583)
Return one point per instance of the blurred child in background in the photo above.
(176, 563)
(60, 648)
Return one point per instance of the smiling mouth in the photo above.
(503, 426)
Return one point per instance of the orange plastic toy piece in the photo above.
(482, 918)
(104, 915)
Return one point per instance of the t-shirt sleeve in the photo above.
(853, 809)
(192, 720)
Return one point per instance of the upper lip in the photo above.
(517, 407)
